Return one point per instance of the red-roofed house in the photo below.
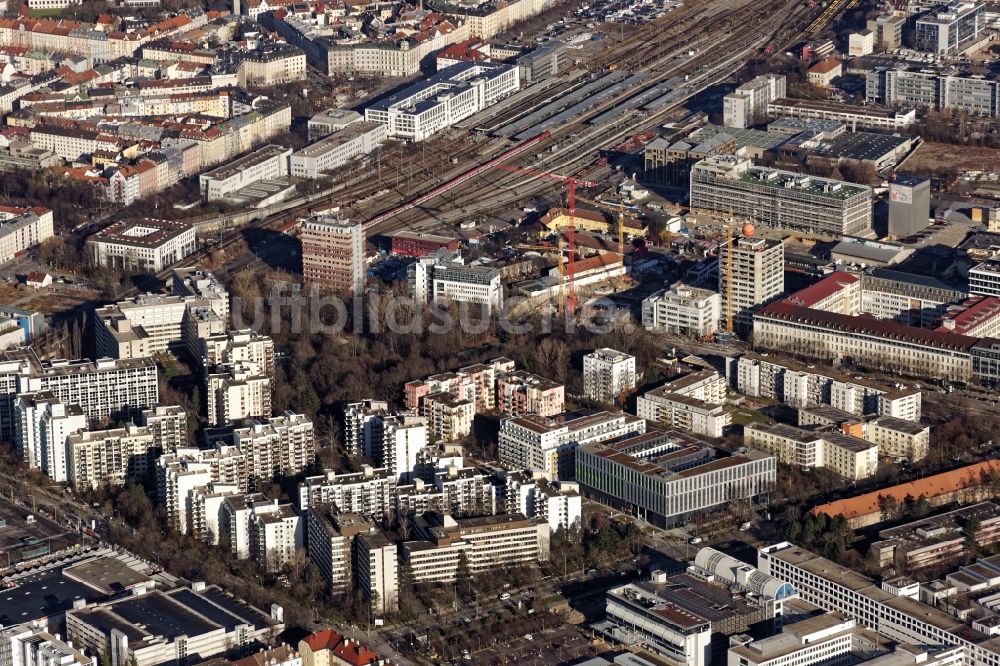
(329, 648)
(837, 292)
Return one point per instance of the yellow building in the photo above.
(558, 219)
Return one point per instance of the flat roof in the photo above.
(141, 232)
(106, 575)
(230, 169)
(337, 139)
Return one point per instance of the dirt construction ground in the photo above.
(936, 157)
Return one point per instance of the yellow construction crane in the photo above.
(560, 248)
(729, 274)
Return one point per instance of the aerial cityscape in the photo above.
(541, 332)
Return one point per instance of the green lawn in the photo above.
(44, 13)
(747, 416)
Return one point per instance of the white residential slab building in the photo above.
(607, 374)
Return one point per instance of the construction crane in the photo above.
(572, 182)
(729, 274)
(619, 208)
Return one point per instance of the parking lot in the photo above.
(20, 539)
(561, 645)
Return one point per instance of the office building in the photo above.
(327, 122)
(693, 403)
(40, 431)
(22, 229)
(607, 375)
(888, 30)
(488, 542)
(338, 149)
(927, 88)
(833, 638)
(800, 385)
(751, 274)
(142, 244)
(860, 43)
(369, 492)
(685, 618)
(665, 477)
(442, 276)
(151, 629)
(949, 30)
(851, 457)
(109, 457)
(276, 533)
(376, 571)
(277, 446)
(909, 205)
(835, 588)
(780, 199)
(443, 99)
(917, 300)
(683, 310)
(103, 389)
(268, 162)
(747, 105)
(549, 443)
(984, 278)
(870, 343)
(333, 254)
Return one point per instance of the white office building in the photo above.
(607, 375)
(683, 310)
(264, 163)
(443, 99)
(145, 244)
(443, 276)
(336, 150)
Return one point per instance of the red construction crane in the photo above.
(572, 182)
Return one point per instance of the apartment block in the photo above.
(488, 542)
(22, 229)
(665, 477)
(149, 324)
(802, 385)
(899, 438)
(756, 277)
(103, 389)
(360, 418)
(532, 494)
(403, 436)
(181, 473)
(236, 392)
(693, 403)
(168, 425)
(202, 284)
(109, 457)
(276, 533)
(24, 645)
(519, 393)
(683, 310)
(549, 443)
(40, 431)
(369, 492)
(443, 99)
(851, 457)
(607, 375)
(376, 570)
(747, 105)
(278, 446)
(330, 542)
(143, 244)
(476, 383)
(780, 199)
(449, 419)
(333, 254)
(244, 347)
